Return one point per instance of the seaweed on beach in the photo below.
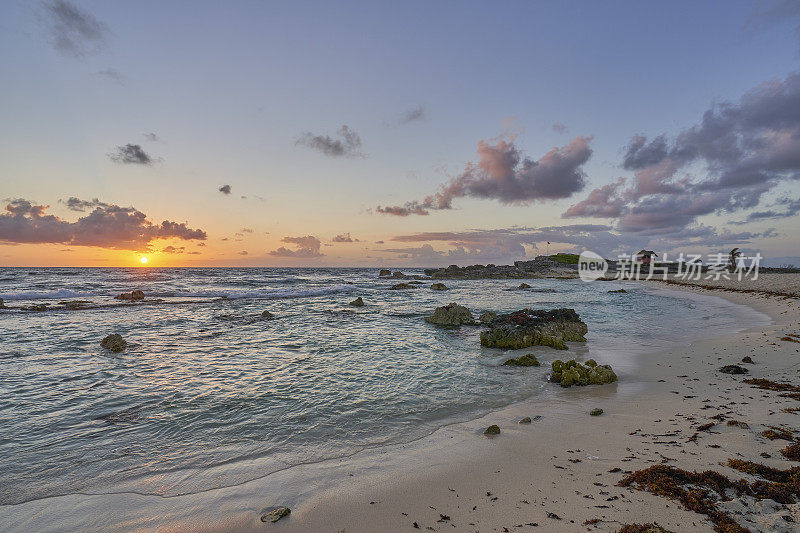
(650, 527)
(767, 384)
(792, 452)
(776, 433)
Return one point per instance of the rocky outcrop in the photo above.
(733, 369)
(572, 373)
(494, 429)
(528, 327)
(132, 296)
(451, 315)
(596, 412)
(113, 342)
(266, 315)
(440, 287)
(487, 317)
(525, 360)
(542, 266)
(358, 302)
(523, 286)
(401, 286)
(385, 272)
(2, 305)
(276, 514)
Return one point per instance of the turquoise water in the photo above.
(209, 385)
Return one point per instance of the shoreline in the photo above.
(414, 473)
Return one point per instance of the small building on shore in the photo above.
(646, 257)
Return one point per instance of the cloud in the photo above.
(243, 252)
(349, 145)
(76, 204)
(503, 174)
(130, 154)
(225, 189)
(247, 230)
(414, 114)
(307, 246)
(112, 74)
(151, 137)
(107, 226)
(559, 128)
(173, 249)
(74, 32)
(344, 237)
(743, 149)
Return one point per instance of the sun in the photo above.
(143, 260)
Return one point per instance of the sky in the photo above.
(395, 134)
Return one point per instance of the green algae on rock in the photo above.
(525, 360)
(528, 327)
(596, 412)
(113, 342)
(573, 373)
(494, 429)
(451, 315)
(526, 420)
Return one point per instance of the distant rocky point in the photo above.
(544, 266)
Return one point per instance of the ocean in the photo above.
(208, 388)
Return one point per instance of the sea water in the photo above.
(207, 385)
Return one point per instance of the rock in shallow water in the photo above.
(494, 429)
(596, 412)
(524, 286)
(439, 287)
(526, 420)
(276, 514)
(400, 286)
(528, 327)
(132, 296)
(525, 360)
(451, 315)
(358, 302)
(114, 342)
(573, 373)
(266, 315)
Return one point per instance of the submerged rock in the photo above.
(113, 342)
(358, 302)
(132, 296)
(733, 369)
(439, 287)
(596, 412)
(526, 420)
(524, 286)
(276, 514)
(36, 307)
(266, 315)
(2, 305)
(527, 327)
(525, 360)
(572, 373)
(619, 290)
(494, 429)
(451, 315)
(385, 272)
(400, 286)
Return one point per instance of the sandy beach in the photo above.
(560, 473)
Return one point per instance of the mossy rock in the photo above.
(440, 287)
(114, 342)
(487, 317)
(572, 373)
(276, 514)
(525, 360)
(526, 420)
(494, 429)
(596, 412)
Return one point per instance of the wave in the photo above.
(262, 294)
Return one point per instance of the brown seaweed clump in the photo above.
(701, 491)
(792, 452)
(776, 433)
(643, 528)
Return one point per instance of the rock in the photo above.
(526, 420)
(276, 514)
(36, 307)
(525, 360)
(451, 315)
(398, 274)
(487, 317)
(358, 302)
(573, 373)
(596, 412)
(733, 369)
(113, 342)
(748, 359)
(524, 286)
(2, 305)
(527, 327)
(619, 291)
(132, 296)
(439, 287)
(266, 315)
(494, 429)
(385, 272)
(400, 286)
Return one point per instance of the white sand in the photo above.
(559, 464)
